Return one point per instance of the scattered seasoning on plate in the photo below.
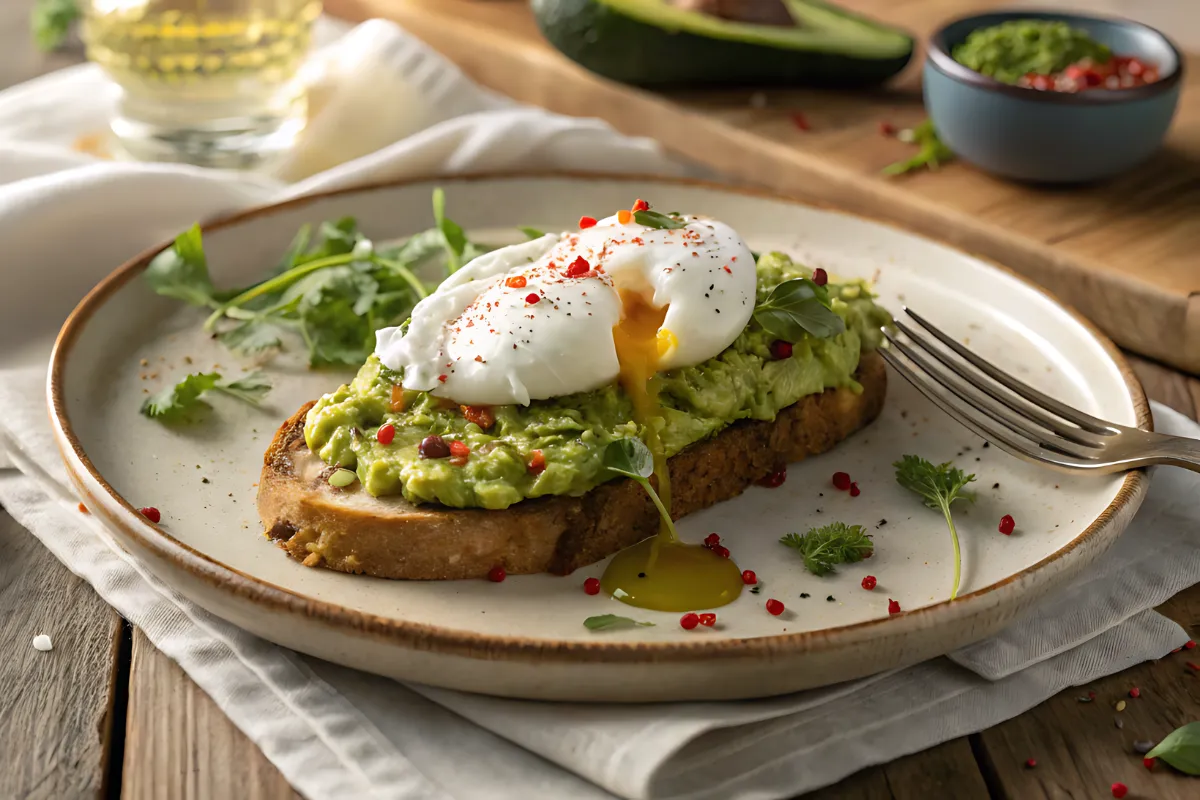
(774, 607)
(708, 620)
(1120, 705)
(1030, 763)
(829, 599)
(689, 621)
(151, 513)
(800, 121)
(869, 583)
(497, 574)
(1119, 789)
(893, 606)
(854, 490)
(805, 595)
(1007, 525)
(83, 509)
(42, 643)
(841, 481)
(591, 586)
(1141, 747)
(1135, 692)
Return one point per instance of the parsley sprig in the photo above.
(335, 292)
(603, 621)
(932, 152)
(51, 22)
(175, 402)
(826, 547)
(796, 307)
(653, 219)
(939, 486)
(631, 458)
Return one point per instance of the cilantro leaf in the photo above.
(631, 458)
(603, 621)
(796, 307)
(932, 154)
(174, 403)
(938, 486)
(255, 335)
(51, 22)
(453, 238)
(531, 233)
(1181, 749)
(181, 271)
(653, 219)
(826, 547)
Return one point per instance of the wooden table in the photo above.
(107, 714)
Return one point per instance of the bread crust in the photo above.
(350, 531)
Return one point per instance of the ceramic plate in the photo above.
(524, 637)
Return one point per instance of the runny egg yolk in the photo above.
(660, 573)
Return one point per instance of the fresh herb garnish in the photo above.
(1181, 749)
(939, 486)
(797, 307)
(653, 219)
(174, 402)
(932, 154)
(51, 22)
(826, 547)
(335, 292)
(631, 458)
(603, 621)
(531, 233)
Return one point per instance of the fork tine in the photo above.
(1085, 421)
(981, 402)
(1022, 407)
(1003, 439)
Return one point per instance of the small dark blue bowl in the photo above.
(1052, 137)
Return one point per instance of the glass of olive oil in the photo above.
(206, 82)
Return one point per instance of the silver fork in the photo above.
(1018, 418)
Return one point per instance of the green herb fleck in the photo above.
(1181, 749)
(631, 458)
(932, 154)
(51, 22)
(531, 233)
(796, 307)
(176, 401)
(653, 219)
(939, 486)
(604, 621)
(181, 271)
(826, 547)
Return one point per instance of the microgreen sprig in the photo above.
(932, 152)
(826, 547)
(653, 219)
(631, 458)
(797, 307)
(939, 486)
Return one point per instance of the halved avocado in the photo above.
(660, 43)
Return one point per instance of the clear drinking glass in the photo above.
(208, 82)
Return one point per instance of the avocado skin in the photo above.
(614, 46)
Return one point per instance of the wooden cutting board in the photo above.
(1125, 253)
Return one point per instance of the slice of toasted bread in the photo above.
(351, 531)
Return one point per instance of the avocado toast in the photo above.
(474, 438)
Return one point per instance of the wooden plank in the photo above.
(178, 744)
(55, 707)
(1121, 252)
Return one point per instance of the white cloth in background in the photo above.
(337, 733)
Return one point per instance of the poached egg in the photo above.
(572, 312)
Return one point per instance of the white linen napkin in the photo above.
(337, 733)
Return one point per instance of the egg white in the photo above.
(479, 341)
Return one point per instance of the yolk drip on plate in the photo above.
(660, 573)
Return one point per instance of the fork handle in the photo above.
(1178, 451)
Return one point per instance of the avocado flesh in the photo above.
(654, 43)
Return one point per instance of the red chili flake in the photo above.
(887, 129)
(533, 298)
(1190, 645)
(483, 416)
(83, 509)
(820, 277)
(1030, 763)
(459, 453)
(689, 621)
(781, 349)
(624, 216)
(721, 550)
(800, 121)
(516, 282)
(537, 462)
(591, 586)
(774, 607)
(1091, 695)
(708, 620)
(712, 540)
(726, 267)
(443, 378)
(748, 577)
(854, 490)
(1007, 525)
(1149, 763)
(1193, 666)
(893, 606)
(775, 479)
(497, 574)
(433, 447)
(841, 481)
(151, 513)
(1135, 692)
(1119, 789)
(587, 222)
(386, 434)
(640, 205)
(869, 583)
(578, 267)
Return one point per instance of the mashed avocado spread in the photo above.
(1011, 50)
(743, 382)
